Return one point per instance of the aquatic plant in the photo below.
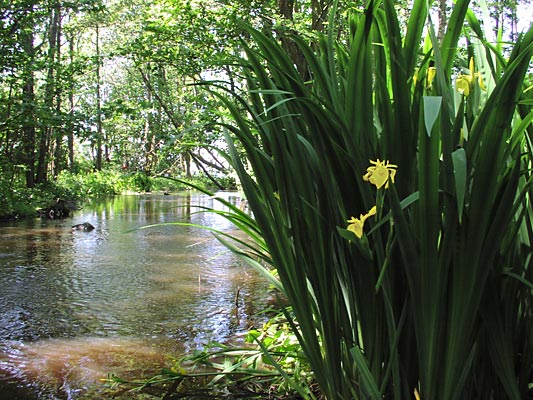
(270, 370)
(433, 298)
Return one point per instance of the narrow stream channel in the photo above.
(75, 306)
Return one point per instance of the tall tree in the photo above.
(34, 84)
(99, 131)
(26, 37)
(442, 13)
(50, 95)
(59, 132)
(70, 89)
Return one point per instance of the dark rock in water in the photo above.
(86, 227)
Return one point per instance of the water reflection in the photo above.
(168, 284)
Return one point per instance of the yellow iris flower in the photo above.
(430, 76)
(356, 224)
(463, 83)
(432, 72)
(379, 173)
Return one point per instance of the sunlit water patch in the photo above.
(68, 368)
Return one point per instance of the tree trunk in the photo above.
(28, 105)
(42, 159)
(98, 165)
(148, 126)
(319, 8)
(70, 123)
(286, 10)
(58, 153)
(186, 157)
(50, 89)
(443, 19)
(7, 136)
(513, 5)
(148, 142)
(29, 130)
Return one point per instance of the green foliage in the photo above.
(234, 371)
(14, 203)
(110, 182)
(141, 181)
(17, 201)
(282, 351)
(91, 184)
(214, 183)
(435, 297)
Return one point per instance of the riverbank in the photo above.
(18, 202)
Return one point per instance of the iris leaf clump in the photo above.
(432, 298)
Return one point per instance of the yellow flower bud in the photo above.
(432, 71)
(480, 82)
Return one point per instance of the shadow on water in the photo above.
(77, 305)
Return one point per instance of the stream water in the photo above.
(75, 305)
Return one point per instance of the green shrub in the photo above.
(140, 181)
(18, 202)
(91, 184)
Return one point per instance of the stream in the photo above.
(77, 306)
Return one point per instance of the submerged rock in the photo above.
(86, 227)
